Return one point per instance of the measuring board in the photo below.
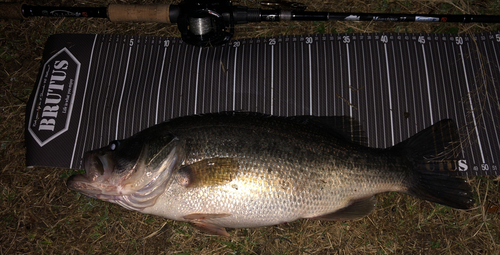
(93, 89)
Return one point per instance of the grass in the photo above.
(39, 215)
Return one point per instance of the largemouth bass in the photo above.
(250, 170)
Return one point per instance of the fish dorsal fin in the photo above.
(208, 172)
(342, 127)
(356, 209)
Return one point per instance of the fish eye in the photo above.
(113, 145)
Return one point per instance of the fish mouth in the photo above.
(98, 170)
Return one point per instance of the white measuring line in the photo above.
(272, 79)
(486, 131)
(389, 90)
(428, 84)
(349, 79)
(121, 95)
(234, 73)
(310, 78)
(471, 105)
(197, 80)
(83, 104)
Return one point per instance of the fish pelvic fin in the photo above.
(433, 155)
(197, 220)
(210, 228)
(356, 209)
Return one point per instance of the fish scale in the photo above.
(250, 170)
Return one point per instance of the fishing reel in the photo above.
(204, 22)
(208, 23)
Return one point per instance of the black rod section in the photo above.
(305, 15)
(50, 11)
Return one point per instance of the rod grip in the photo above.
(139, 13)
(11, 11)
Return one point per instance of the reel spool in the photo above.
(205, 23)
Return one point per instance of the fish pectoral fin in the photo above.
(210, 228)
(205, 216)
(208, 172)
(356, 209)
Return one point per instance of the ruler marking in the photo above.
(390, 92)
(452, 93)
(481, 109)
(83, 103)
(92, 101)
(144, 91)
(121, 95)
(310, 80)
(182, 74)
(197, 81)
(272, 80)
(151, 91)
(106, 96)
(487, 96)
(204, 93)
(367, 115)
(428, 83)
(114, 95)
(405, 91)
(463, 108)
(373, 93)
(175, 82)
(435, 83)
(167, 85)
(234, 75)
(348, 80)
(355, 48)
(382, 108)
(326, 79)
(471, 105)
(443, 82)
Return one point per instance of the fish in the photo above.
(244, 170)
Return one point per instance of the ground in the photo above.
(38, 214)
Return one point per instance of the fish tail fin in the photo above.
(433, 155)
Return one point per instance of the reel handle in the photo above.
(139, 13)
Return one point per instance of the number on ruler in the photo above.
(384, 39)
(421, 39)
(498, 37)
(309, 40)
(485, 167)
(272, 41)
(494, 167)
(347, 39)
(131, 42)
(166, 43)
(236, 44)
(459, 40)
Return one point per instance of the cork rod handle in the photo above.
(142, 13)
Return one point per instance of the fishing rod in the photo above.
(211, 22)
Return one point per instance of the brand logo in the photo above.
(54, 97)
(426, 19)
(352, 18)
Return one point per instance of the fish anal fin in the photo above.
(356, 209)
(205, 216)
(208, 172)
(210, 228)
